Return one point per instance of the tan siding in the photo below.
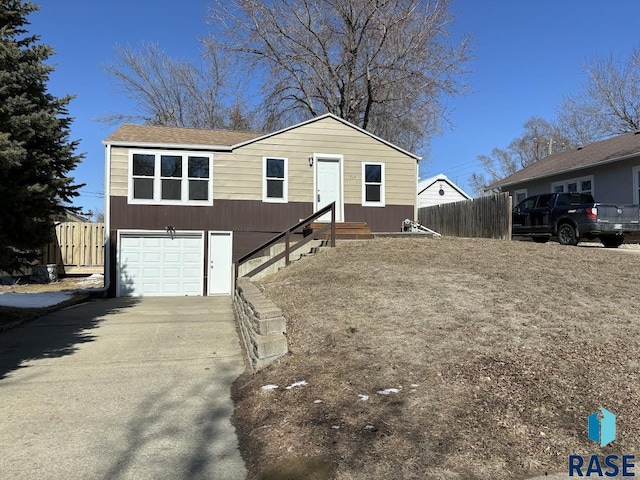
(119, 171)
(301, 143)
(238, 175)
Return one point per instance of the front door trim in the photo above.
(225, 286)
(317, 158)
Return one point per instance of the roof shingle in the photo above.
(604, 151)
(178, 136)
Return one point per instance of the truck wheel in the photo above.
(612, 241)
(567, 234)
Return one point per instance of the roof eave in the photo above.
(171, 146)
(569, 170)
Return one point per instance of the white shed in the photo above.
(437, 190)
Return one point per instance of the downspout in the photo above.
(107, 216)
(415, 192)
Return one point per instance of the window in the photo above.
(373, 184)
(574, 185)
(274, 186)
(519, 195)
(170, 178)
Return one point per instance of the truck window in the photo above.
(563, 200)
(544, 201)
(526, 204)
(586, 198)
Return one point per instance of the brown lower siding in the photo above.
(252, 222)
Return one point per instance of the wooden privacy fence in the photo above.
(487, 217)
(78, 248)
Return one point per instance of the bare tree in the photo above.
(173, 92)
(607, 104)
(384, 65)
(539, 139)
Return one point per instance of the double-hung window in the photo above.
(574, 185)
(373, 184)
(274, 179)
(170, 178)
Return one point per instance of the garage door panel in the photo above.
(153, 264)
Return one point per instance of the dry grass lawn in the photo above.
(499, 352)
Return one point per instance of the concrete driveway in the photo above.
(122, 389)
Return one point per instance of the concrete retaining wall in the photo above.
(262, 325)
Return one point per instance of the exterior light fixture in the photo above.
(311, 161)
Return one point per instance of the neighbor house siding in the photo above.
(612, 183)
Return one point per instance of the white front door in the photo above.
(220, 263)
(328, 187)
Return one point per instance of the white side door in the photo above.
(220, 263)
(328, 187)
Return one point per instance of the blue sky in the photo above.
(528, 54)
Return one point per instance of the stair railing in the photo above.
(287, 236)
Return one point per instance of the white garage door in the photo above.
(156, 264)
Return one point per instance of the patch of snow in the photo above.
(269, 387)
(363, 398)
(296, 384)
(317, 401)
(414, 385)
(369, 427)
(335, 427)
(33, 300)
(388, 391)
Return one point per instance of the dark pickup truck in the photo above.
(571, 217)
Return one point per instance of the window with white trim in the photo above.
(574, 185)
(519, 195)
(274, 179)
(373, 184)
(170, 178)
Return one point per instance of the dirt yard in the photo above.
(492, 355)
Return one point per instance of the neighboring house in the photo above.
(438, 190)
(182, 204)
(609, 170)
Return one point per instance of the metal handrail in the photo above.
(286, 234)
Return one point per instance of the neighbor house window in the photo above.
(170, 178)
(274, 175)
(519, 195)
(574, 185)
(373, 184)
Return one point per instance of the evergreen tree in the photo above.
(36, 154)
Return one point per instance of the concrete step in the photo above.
(295, 254)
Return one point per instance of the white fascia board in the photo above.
(172, 146)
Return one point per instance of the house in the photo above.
(437, 190)
(182, 204)
(608, 169)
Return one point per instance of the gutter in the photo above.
(574, 169)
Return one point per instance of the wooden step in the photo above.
(346, 230)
